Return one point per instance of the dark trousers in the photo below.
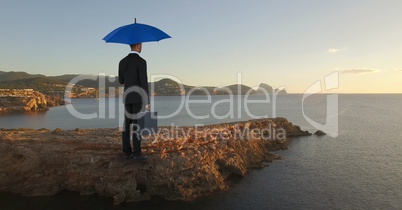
(131, 129)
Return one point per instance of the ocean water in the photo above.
(359, 169)
(176, 110)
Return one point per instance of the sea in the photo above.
(358, 166)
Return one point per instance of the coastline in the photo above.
(26, 100)
(181, 167)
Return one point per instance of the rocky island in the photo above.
(194, 162)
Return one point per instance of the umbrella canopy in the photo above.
(135, 33)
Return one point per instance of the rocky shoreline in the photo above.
(26, 100)
(193, 162)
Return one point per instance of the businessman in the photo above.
(133, 74)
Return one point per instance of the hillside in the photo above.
(11, 76)
(41, 84)
(235, 90)
(264, 88)
(163, 87)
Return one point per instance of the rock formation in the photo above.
(185, 162)
(320, 133)
(236, 89)
(25, 100)
(264, 89)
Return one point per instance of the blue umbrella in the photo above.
(135, 33)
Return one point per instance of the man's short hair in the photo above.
(134, 45)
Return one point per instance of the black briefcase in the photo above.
(149, 123)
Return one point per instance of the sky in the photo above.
(291, 44)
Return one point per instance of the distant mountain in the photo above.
(28, 83)
(282, 91)
(168, 87)
(235, 90)
(41, 84)
(10, 76)
(264, 88)
(65, 78)
(18, 77)
(163, 87)
(199, 90)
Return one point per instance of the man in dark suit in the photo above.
(133, 74)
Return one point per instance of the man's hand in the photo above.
(148, 107)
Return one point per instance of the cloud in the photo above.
(333, 50)
(359, 71)
(398, 70)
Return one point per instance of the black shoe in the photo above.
(140, 158)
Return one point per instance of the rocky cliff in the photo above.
(185, 162)
(25, 100)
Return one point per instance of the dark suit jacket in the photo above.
(133, 72)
